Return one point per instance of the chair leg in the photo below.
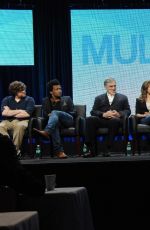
(78, 145)
(44, 148)
(125, 142)
(31, 147)
(138, 140)
(135, 144)
(51, 148)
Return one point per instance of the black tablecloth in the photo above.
(19, 221)
(63, 209)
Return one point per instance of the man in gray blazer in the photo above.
(59, 111)
(108, 112)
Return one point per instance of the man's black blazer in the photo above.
(120, 104)
(66, 106)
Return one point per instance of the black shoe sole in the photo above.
(88, 155)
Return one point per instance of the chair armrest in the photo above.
(80, 125)
(133, 123)
(32, 124)
(41, 122)
(36, 122)
(125, 124)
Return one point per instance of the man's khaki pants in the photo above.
(17, 128)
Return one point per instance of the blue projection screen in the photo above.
(109, 43)
(16, 37)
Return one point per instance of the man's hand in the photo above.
(6, 108)
(115, 113)
(108, 114)
(147, 113)
(22, 114)
(111, 114)
(143, 115)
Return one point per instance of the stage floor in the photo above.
(116, 157)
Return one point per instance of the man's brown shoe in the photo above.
(61, 155)
(42, 133)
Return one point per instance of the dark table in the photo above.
(19, 220)
(63, 209)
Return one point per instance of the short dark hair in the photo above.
(16, 86)
(51, 83)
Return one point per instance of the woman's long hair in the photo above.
(144, 89)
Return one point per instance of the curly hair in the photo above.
(16, 86)
(144, 88)
(50, 85)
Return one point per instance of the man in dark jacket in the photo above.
(59, 111)
(108, 112)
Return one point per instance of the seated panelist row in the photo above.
(108, 111)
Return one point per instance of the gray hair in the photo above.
(109, 80)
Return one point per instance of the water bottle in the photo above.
(38, 152)
(84, 148)
(129, 151)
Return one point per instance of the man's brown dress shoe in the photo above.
(42, 133)
(61, 155)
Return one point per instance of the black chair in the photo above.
(77, 130)
(29, 134)
(123, 132)
(137, 130)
